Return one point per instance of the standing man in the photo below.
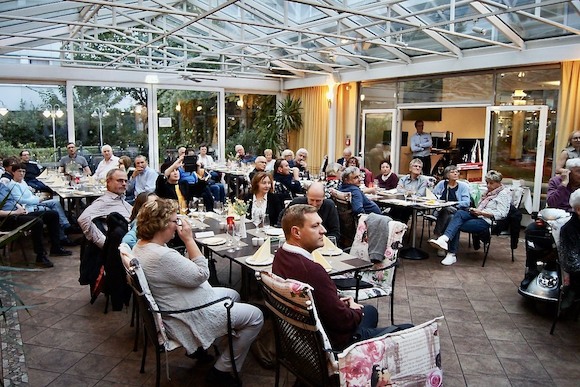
(344, 320)
(113, 200)
(421, 144)
(143, 178)
(33, 170)
(73, 163)
(109, 162)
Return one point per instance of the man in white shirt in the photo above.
(113, 200)
(109, 162)
(421, 144)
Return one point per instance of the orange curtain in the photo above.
(569, 103)
(314, 133)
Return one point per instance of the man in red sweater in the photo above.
(344, 320)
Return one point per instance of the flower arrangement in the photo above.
(237, 207)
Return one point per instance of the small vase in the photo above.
(243, 225)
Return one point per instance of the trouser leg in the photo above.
(443, 219)
(247, 321)
(50, 218)
(54, 204)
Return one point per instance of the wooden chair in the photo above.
(152, 321)
(303, 348)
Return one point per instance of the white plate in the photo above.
(267, 262)
(335, 251)
(274, 231)
(213, 241)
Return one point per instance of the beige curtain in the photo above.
(314, 134)
(569, 103)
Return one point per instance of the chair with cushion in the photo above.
(511, 224)
(379, 280)
(152, 318)
(303, 348)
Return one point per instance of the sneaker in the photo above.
(441, 253)
(43, 261)
(439, 243)
(450, 259)
(216, 378)
(60, 252)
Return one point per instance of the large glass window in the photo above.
(187, 118)
(30, 115)
(110, 115)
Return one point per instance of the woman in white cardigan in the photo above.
(177, 282)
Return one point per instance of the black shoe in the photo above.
(530, 275)
(223, 379)
(476, 242)
(201, 356)
(43, 261)
(67, 242)
(60, 252)
(73, 229)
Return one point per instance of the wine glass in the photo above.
(238, 234)
(192, 207)
(218, 208)
(257, 220)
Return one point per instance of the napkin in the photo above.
(58, 181)
(328, 245)
(44, 173)
(263, 252)
(318, 258)
(429, 195)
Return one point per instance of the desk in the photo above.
(414, 252)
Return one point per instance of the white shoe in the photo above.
(439, 243)
(450, 259)
(441, 253)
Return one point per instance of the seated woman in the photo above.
(569, 251)
(332, 180)
(262, 199)
(495, 204)
(177, 282)
(387, 178)
(450, 189)
(359, 202)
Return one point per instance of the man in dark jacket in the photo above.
(326, 208)
(33, 170)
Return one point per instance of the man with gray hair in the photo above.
(110, 161)
(359, 202)
(300, 161)
(143, 179)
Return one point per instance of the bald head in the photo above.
(315, 194)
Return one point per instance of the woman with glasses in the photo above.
(179, 282)
(495, 204)
(571, 152)
(450, 190)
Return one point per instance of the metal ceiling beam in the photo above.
(498, 23)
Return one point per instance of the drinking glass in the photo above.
(201, 213)
(257, 220)
(332, 239)
(218, 208)
(266, 222)
(230, 231)
(192, 207)
(238, 234)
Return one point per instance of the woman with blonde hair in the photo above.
(177, 282)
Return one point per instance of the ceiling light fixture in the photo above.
(479, 30)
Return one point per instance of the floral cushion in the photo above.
(382, 281)
(406, 358)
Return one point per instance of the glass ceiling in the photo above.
(271, 38)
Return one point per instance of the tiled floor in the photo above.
(491, 336)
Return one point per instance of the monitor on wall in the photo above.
(422, 114)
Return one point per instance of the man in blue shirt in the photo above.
(143, 178)
(421, 144)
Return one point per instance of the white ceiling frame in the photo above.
(86, 14)
(499, 24)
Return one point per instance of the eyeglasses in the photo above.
(177, 222)
(121, 180)
(576, 138)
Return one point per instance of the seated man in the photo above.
(73, 162)
(286, 180)
(21, 194)
(15, 217)
(260, 166)
(346, 154)
(359, 202)
(344, 320)
(300, 162)
(495, 204)
(8, 163)
(242, 156)
(143, 178)
(325, 208)
(109, 161)
(113, 200)
(560, 189)
(33, 170)
(414, 183)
